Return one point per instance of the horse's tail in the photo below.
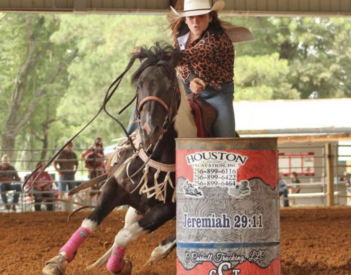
(100, 262)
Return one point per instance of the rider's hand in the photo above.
(197, 85)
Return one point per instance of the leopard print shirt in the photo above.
(210, 58)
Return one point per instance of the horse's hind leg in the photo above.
(148, 223)
(108, 201)
(163, 249)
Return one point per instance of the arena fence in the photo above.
(25, 162)
(324, 172)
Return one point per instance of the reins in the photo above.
(109, 93)
(113, 87)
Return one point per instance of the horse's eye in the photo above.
(138, 86)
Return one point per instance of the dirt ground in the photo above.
(313, 241)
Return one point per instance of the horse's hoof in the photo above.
(127, 268)
(55, 266)
(157, 254)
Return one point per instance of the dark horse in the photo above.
(143, 176)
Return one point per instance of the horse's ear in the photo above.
(175, 57)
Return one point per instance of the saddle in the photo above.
(205, 115)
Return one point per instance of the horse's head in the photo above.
(158, 95)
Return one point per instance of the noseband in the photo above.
(152, 98)
(168, 109)
(171, 109)
(157, 99)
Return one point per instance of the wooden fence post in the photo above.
(330, 174)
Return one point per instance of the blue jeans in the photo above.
(222, 101)
(7, 187)
(42, 194)
(67, 181)
(133, 124)
(284, 192)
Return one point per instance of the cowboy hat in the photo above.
(199, 7)
(239, 34)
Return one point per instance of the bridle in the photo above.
(171, 110)
(152, 98)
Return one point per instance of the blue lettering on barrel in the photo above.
(222, 222)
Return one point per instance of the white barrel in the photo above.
(227, 207)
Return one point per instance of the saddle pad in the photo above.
(198, 119)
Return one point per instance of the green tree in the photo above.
(33, 70)
(263, 78)
(315, 48)
(55, 69)
(105, 44)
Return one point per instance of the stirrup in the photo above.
(55, 266)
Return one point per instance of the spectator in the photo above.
(42, 187)
(296, 187)
(94, 161)
(283, 190)
(296, 181)
(93, 148)
(346, 180)
(66, 165)
(347, 183)
(8, 174)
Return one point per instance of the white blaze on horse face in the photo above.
(128, 234)
(91, 225)
(146, 126)
(184, 121)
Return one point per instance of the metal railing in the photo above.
(329, 184)
(25, 163)
(322, 187)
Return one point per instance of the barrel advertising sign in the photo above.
(227, 206)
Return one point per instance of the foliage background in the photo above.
(63, 64)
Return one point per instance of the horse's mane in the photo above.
(160, 54)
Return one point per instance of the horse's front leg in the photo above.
(108, 201)
(131, 216)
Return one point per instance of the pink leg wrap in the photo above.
(74, 242)
(115, 262)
